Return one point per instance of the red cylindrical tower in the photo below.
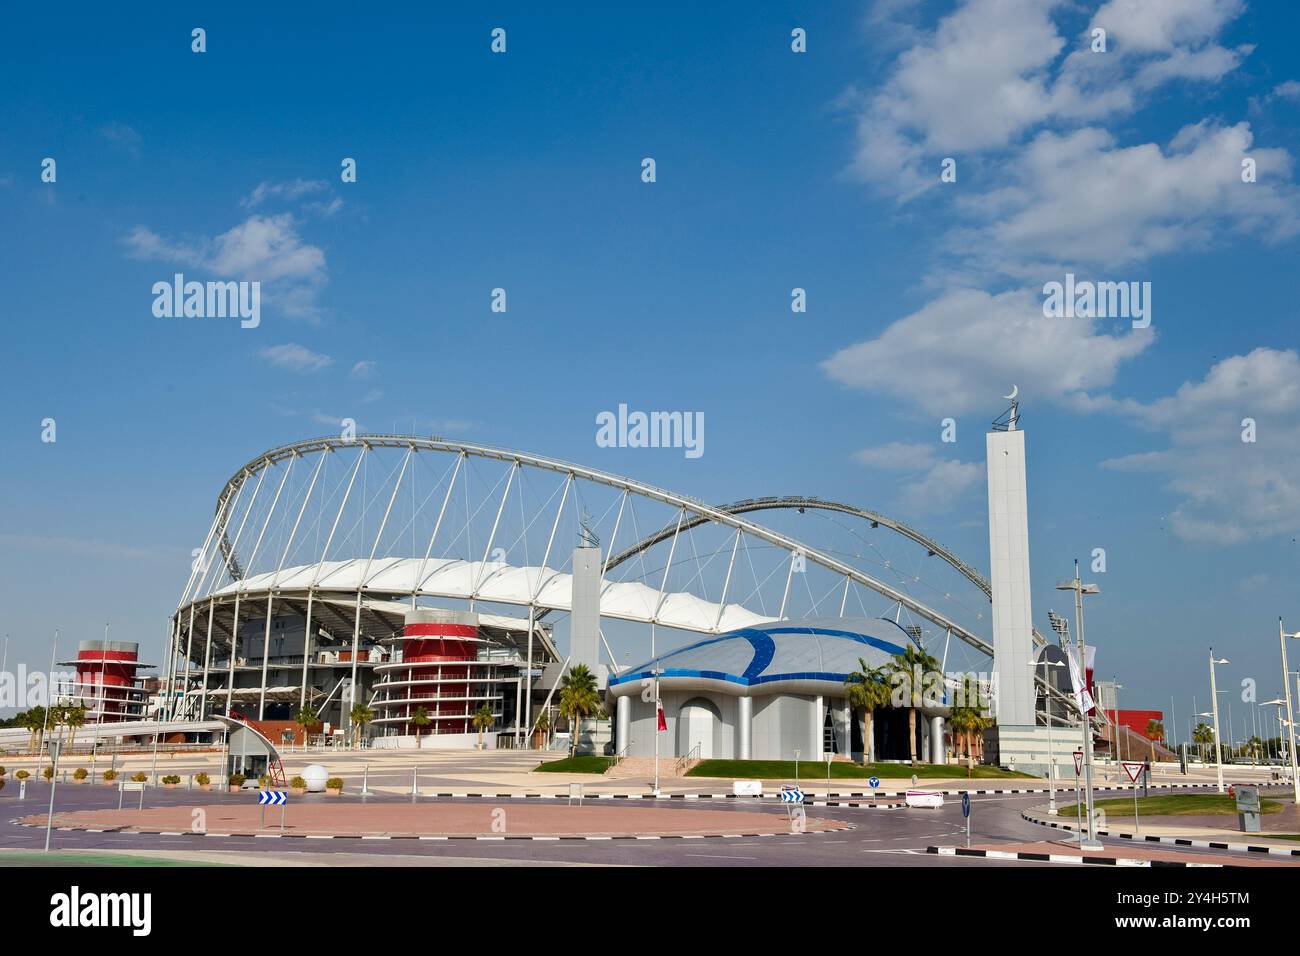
(107, 680)
(438, 669)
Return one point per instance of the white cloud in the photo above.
(295, 357)
(967, 347)
(122, 135)
(940, 488)
(941, 481)
(266, 249)
(1078, 199)
(991, 72)
(1230, 490)
(896, 456)
(364, 369)
(293, 189)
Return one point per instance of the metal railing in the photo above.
(684, 762)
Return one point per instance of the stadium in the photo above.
(429, 580)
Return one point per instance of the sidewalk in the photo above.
(1062, 852)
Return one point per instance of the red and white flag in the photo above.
(663, 723)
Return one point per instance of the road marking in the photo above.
(711, 856)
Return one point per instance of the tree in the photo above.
(305, 718)
(74, 717)
(360, 715)
(578, 699)
(867, 689)
(483, 719)
(968, 719)
(908, 672)
(1203, 734)
(1156, 734)
(33, 721)
(1254, 747)
(420, 718)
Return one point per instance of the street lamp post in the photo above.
(1051, 754)
(1286, 685)
(1088, 837)
(1279, 703)
(1214, 712)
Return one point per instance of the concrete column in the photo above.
(623, 726)
(936, 740)
(818, 729)
(744, 728)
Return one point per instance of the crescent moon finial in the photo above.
(1015, 390)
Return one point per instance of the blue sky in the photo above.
(775, 170)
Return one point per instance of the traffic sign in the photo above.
(272, 798)
(873, 783)
(1078, 762)
(965, 804)
(791, 795)
(1134, 769)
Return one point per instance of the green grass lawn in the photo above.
(1175, 805)
(812, 770)
(588, 764)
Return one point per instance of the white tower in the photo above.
(1009, 567)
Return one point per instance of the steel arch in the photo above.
(699, 510)
(802, 503)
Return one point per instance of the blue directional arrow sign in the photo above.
(873, 783)
(272, 798)
(791, 795)
(965, 804)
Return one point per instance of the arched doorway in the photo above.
(695, 725)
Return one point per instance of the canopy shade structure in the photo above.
(347, 533)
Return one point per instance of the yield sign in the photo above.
(1133, 769)
(1078, 762)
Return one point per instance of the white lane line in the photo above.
(713, 856)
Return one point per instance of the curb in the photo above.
(950, 791)
(1170, 841)
(1061, 858)
(274, 835)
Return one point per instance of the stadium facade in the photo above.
(428, 579)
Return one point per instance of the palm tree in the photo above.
(969, 720)
(73, 718)
(305, 718)
(360, 715)
(1203, 734)
(1156, 734)
(907, 673)
(1254, 747)
(483, 719)
(867, 689)
(33, 721)
(544, 724)
(420, 718)
(578, 699)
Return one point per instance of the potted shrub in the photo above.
(2, 778)
(80, 774)
(140, 777)
(48, 773)
(22, 774)
(110, 777)
(203, 780)
(334, 786)
(236, 782)
(297, 786)
(263, 782)
(171, 781)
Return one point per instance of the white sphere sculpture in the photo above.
(315, 775)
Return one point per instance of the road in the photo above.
(880, 837)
